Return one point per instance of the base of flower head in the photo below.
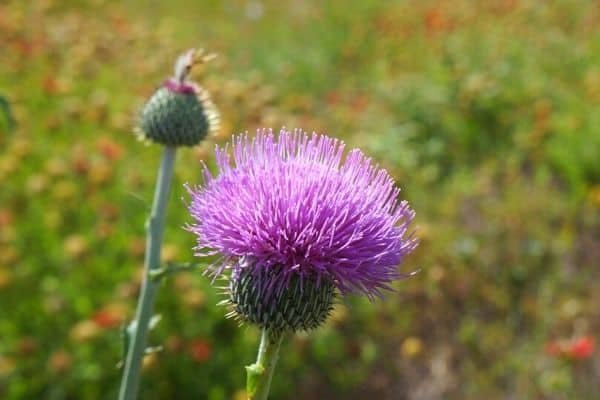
(279, 302)
(178, 114)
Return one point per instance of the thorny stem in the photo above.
(155, 227)
(260, 374)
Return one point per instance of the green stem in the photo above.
(5, 107)
(260, 374)
(155, 227)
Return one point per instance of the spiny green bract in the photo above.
(301, 305)
(178, 118)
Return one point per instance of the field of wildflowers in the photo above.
(486, 114)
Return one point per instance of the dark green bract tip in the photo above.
(301, 304)
(178, 114)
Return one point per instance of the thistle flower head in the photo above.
(290, 214)
(180, 112)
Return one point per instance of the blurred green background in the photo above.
(486, 112)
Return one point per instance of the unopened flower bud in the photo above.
(261, 298)
(180, 112)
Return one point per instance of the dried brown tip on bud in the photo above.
(187, 60)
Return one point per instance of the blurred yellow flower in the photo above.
(5, 278)
(194, 298)
(411, 347)
(84, 331)
(75, 246)
(7, 366)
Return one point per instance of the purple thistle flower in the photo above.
(293, 206)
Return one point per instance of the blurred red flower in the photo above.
(200, 350)
(573, 349)
(582, 348)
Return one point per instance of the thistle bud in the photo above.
(262, 297)
(180, 112)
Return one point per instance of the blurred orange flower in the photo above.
(110, 149)
(6, 217)
(111, 316)
(436, 20)
(60, 361)
(174, 343)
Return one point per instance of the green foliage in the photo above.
(485, 112)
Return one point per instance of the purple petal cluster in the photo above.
(294, 203)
